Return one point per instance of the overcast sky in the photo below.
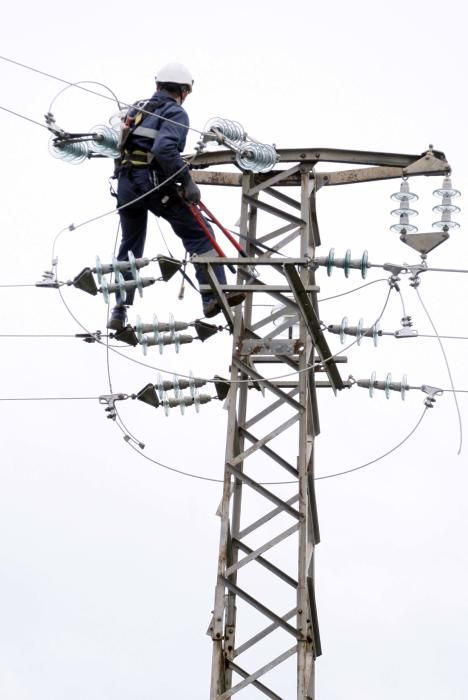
(107, 561)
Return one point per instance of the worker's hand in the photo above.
(191, 192)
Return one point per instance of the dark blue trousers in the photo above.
(167, 203)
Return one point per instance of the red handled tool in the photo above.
(195, 209)
(229, 236)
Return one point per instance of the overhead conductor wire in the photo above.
(49, 398)
(356, 289)
(460, 425)
(284, 483)
(23, 116)
(81, 87)
(200, 477)
(377, 459)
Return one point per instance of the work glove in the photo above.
(191, 192)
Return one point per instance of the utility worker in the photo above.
(153, 137)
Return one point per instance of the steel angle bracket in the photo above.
(313, 326)
(429, 163)
(220, 296)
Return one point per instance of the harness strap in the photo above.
(144, 131)
(137, 158)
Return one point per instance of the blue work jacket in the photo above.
(170, 140)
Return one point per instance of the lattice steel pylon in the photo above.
(264, 626)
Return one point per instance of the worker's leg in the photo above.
(193, 237)
(133, 218)
(133, 221)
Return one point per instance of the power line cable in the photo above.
(96, 398)
(377, 459)
(23, 116)
(17, 285)
(356, 289)
(40, 335)
(78, 85)
(75, 336)
(445, 337)
(281, 483)
(460, 425)
(73, 227)
(174, 469)
(445, 269)
(400, 294)
(49, 398)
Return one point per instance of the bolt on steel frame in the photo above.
(264, 626)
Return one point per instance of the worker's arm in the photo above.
(170, 142)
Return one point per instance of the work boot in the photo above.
(212, 307)
(118, 318)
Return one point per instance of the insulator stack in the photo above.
(446, 193)
(183, 401)
(121, 285)
(155, 336)
(178, 384)
(387, 385)
(140, 281)
(346, 263)
(160, 327)
(105, 141)
(118, 266)
(250, 155)
(227, 128)
(176, 339)
(358, 331)
(404, 212)
(256, 157)
(148, 393)
(70, 151)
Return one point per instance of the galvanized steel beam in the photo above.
(256, 514)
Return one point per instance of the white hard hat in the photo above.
(175, 73)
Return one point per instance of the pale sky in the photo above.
(107, 561)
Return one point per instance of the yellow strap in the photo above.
(135, 153)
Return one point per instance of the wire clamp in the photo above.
(406, 332)
(393, 282)
(395, 269)
(109, 400)
(432, 392)
(90, 337)
(48, 280)
(52, 125)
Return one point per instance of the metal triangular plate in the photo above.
(205, 330)
(148, 395)
(168, 267)
(424, 242)
(85, 281)
(127, 335)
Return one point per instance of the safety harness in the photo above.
(131, 127)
